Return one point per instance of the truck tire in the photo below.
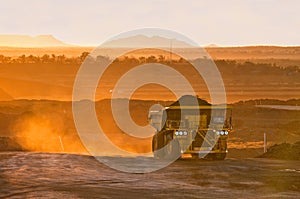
(172, 149)
(158, 153)
(215, 156)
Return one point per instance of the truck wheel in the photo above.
(172, 149)
(215, 156)
(220, 156)
(195, 156)
(157, 152)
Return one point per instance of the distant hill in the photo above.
(142, 41)
(26, 41)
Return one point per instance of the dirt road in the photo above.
(46, 175)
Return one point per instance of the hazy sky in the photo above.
(90, 22)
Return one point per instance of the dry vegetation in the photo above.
(52, 77)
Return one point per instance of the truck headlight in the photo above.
(226, 132)
(222, 132)
(176, 133)
(185, 133)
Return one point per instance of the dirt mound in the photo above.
(4, 96)
(188, 100)
(284, 151)
(7, 144)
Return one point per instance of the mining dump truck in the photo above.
(198, 131)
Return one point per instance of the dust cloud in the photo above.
(47, 128)
(39, 131)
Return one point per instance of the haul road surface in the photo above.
(48, 175)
